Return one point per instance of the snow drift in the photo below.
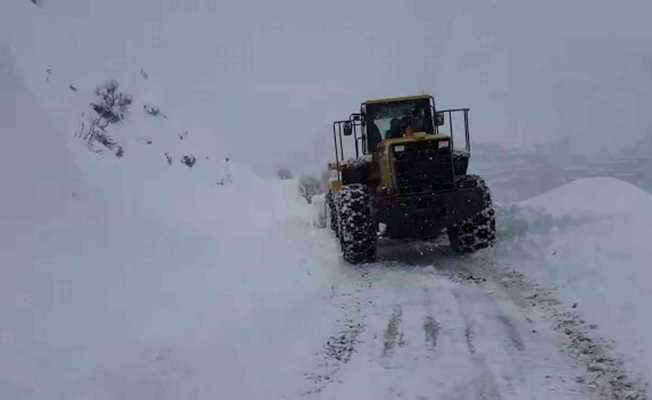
(589, 239)
(185, 293)
(132, 278)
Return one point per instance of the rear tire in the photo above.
(478, 231)
(358, 231)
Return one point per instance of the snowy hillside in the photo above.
(131, 285)
(133, 277)
(37, 162)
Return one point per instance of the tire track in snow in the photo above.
(339, 348)
(468, 336)
(431, 327)
(443, 338)
(512, 333)
(431, 330)
(602, 374)
(443, 326)
(506, 357)
(393, 335)
(484, 385)
(605, 375)
(406, 342)
(531, 363)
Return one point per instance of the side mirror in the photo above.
(348, 128)
(439, 119)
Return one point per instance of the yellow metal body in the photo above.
(384, 157)
(382, 175)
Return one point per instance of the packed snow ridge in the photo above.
(594, 196)
(595, 253)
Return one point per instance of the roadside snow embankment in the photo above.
(590, 239)
(124, 303)
(131, 278)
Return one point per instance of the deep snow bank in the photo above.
(594, 196)
(183, 289)
(129, 277)
(590, 239)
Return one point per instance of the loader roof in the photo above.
(398, 99)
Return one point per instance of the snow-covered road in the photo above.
(267, 309)
(445, 327)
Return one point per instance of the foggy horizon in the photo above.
(569, 75)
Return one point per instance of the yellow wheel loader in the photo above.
(403, 175)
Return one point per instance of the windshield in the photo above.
(393, 120)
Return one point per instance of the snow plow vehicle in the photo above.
(403, 175)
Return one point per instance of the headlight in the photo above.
(442, 144)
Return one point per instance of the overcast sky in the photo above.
(266, 79)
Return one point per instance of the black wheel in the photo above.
(478, 231)
(358, 231)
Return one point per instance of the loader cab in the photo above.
(393, 118)
(412, 121)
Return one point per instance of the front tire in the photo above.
(357, 229)
(478, 231)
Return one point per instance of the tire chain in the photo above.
(358, 233)
(478, 231)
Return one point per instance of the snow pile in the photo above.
(168, 287)
(128, 277)
(595, 196)
(185, 288)
(589, 238)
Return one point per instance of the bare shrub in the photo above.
(154, 111)
(189, 160)
(111, 107)
(309, 186)
(111, 104)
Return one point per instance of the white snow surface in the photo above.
(589, 239)
(595, 196)
(192, 292)
(131, 279)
